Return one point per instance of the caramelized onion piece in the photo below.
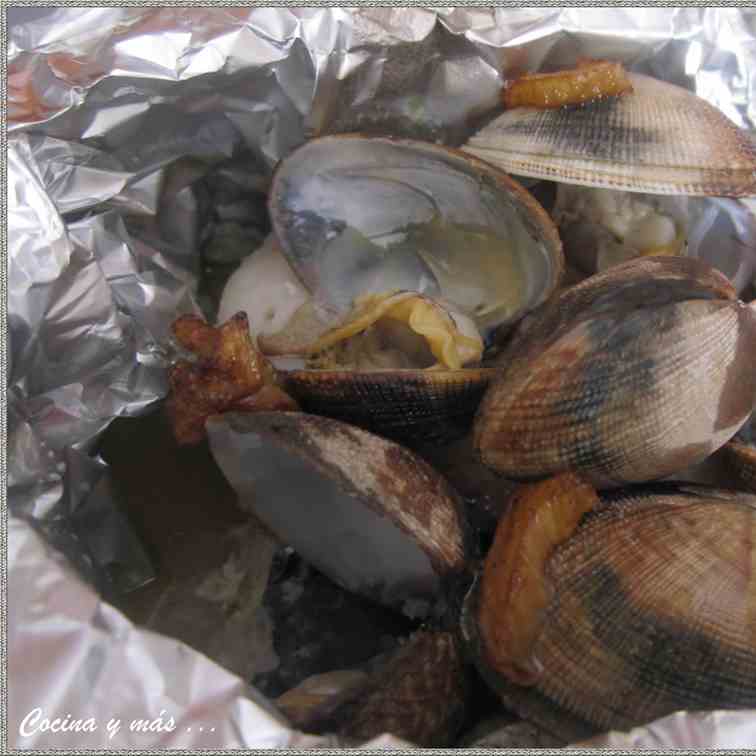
(229, 374)
(590, 80)
(514, 593)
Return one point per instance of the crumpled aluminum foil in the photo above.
(140, 144)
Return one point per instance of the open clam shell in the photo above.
(660, 139)
(366, 512)
(368, 383)
(649, 609)
(633, 383)
(357, 215)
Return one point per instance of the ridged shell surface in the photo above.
(653, 610)
(404, 405)
(659, 139)
(627, 395)
(639, 282)
(421, 695)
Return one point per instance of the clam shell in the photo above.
(627, 389)
(340, 204)
(404, 405)
(366, 512)
(420, 696)
(653, 610)
(659, 139)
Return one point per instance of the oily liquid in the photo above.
(481, 273)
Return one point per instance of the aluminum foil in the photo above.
(711, 729)
(140, 145)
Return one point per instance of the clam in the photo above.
(364, 511)
(741, 454)
(660, 139)
(645, 173)
(418, 693)
(598, 613)
(632, 375)
(421, 695)
(361, 221)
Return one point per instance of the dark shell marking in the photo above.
(622, 393)
(656, 611)
(659, 138)
(652, 611)
(407, 406)
(636, 283)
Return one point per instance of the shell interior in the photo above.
(359, 215)
(355, 506)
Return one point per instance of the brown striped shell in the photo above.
(419, 693)
(677, 279)
(651, 608)
(404, 405)
(366, 512)
(624, 379)
(659, 139)
(420, 696)
(400, 364)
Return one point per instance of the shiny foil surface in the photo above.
(140, 146)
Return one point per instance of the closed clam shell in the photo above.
(659, 139)
(366, 512)
(403, 405)
(623, 393)
(652, 609)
